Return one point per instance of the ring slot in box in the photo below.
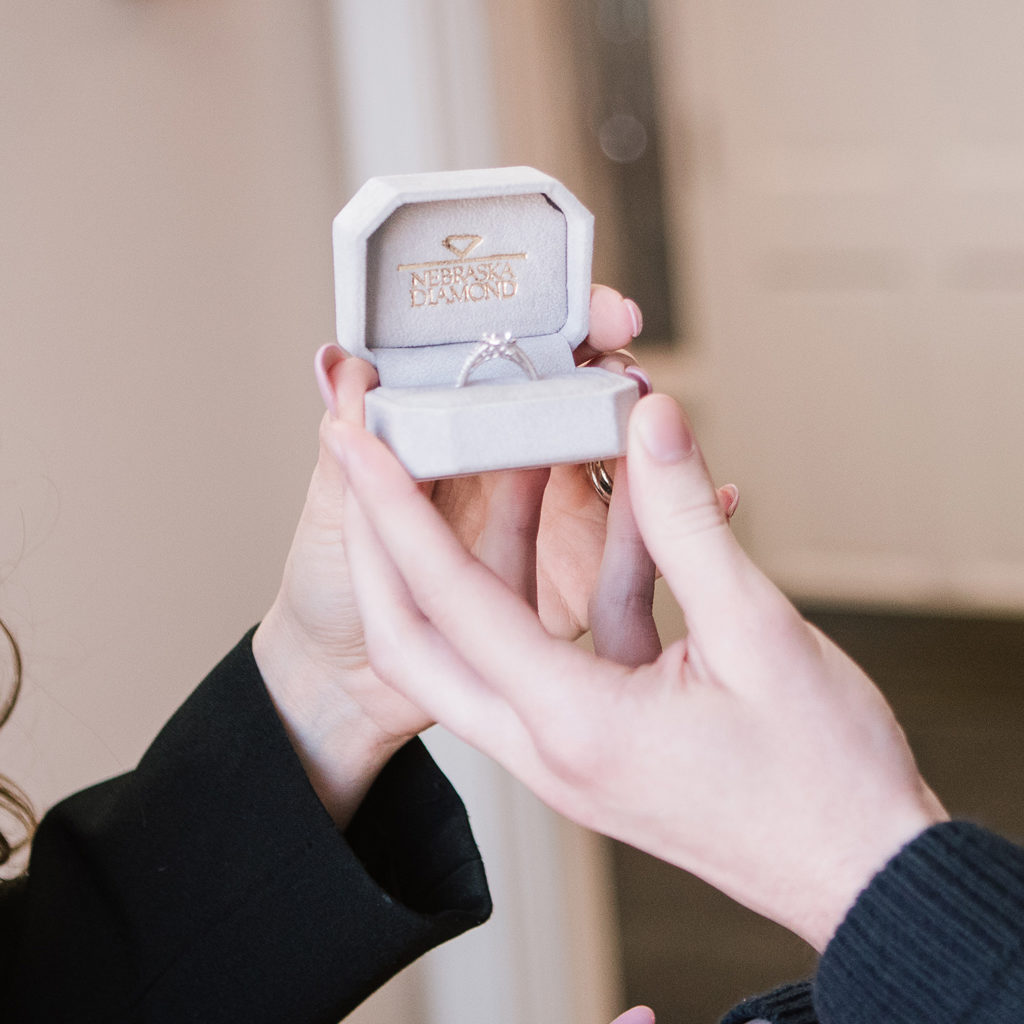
(469, 291)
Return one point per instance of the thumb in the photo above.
(344, 382)
(679, 513)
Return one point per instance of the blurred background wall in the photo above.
(166, 176)
(819, 205)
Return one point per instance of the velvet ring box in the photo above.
(469, 291)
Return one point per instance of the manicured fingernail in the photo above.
(636, 316)
(643, 382)
(326, 358)
(663, 430)
(638, 1015)
(733, 496)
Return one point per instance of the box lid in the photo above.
(426, 265)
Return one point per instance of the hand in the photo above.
(488, 512)
(344, 723)
(638, 1015)
(589, 570)
(753, 753)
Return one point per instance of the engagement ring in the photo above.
(493, 347)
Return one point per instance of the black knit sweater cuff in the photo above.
(936, 936)
(790, 1004)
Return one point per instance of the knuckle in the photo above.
(695, 518)
(574, 750)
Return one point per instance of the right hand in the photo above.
(754, 753)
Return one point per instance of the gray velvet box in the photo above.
(426, 267)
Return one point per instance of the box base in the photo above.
(490, 425)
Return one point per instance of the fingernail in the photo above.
(636, 316)
(733, 493)
(638, 1015)
(326, 358)
(663, 430)
(643, 382)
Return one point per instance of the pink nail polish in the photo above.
(636, 316)
(734, 498)
(638, 1015)
(643, 382)
(326, 358)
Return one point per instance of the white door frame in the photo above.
(415, 92)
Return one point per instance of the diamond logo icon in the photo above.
(462, 245)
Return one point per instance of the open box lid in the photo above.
(426, 265)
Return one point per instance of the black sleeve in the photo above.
(791, 1004)
(211, 885)
(938, 935)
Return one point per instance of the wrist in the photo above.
(851, 873)
(341, 749)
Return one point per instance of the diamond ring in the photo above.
(493, 347)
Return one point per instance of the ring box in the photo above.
(428, 266)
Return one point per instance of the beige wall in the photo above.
(846, 241)
(167, 180)
(847, 186)
(168, 176)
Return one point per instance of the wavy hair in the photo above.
(13, 801)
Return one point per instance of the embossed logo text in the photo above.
(465, 279)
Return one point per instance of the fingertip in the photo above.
(637, 1015)
(636, 317)
(660, 431)
(326, 358)
(643, 382)
(351, 383)
(614, 320)
(729, 498)
(602, 292)
(679, 512)
(624, 363)
(327, 355)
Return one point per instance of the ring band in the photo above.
(493, 347)
(597, 474)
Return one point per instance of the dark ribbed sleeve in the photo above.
(790, 1004)
(938, 936)
(211, 885)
